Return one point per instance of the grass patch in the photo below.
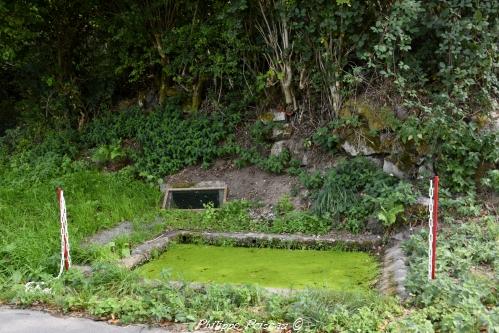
(235, 216)
(297, 269)
(29, 215)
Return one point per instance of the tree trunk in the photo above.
(287, 88)
(163, 84)
(334, 91)
(197, 94)
(163, 88)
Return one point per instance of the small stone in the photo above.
(426, 171)
(398, 236)
(278, 116)
(425, 201)
(298, 150)
(392, 169)
(163, 187)
(278, 148)
(494, 117)
(211, 183)
(282, 133)
(357, 149)
(304, 159)
(401, 112)
(374, 226)
(376, 161)
(266, 117)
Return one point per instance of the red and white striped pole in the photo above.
(65, 256)
(433, 228)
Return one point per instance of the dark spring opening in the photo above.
(195, 199)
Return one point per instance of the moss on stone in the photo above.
(376, 118)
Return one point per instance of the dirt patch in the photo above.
(248, 183)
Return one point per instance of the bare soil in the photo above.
(248, 183)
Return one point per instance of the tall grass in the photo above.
(29, 227)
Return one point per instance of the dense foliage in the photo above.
(145, 88)
(464, 298)
(162, 141)
(433, 62)
(357, 190)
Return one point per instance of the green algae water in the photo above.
(280, 268)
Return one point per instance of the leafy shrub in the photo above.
(460, 205)
(357, 189)
(491, 180)
(462, 150)
(312, 181)
(442, 69)
(233, 216)
(108, 153)
(284, 205)
(324, 138)
(164, 140)
(260, 131)
(34, 155)
(296, 221)
(274, 163)
(463, 297)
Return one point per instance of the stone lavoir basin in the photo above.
(266, 267)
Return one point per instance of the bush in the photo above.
(356, 189)
(300, 222)
(108, 153)
(444, 70)
(162, 141)
(34, 155)
(491, 180)
(463, 298)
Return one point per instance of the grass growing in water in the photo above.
(298, 269)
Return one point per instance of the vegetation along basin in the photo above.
(268, 267)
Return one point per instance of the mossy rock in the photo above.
(347, 110)
(388, 143)
(423, 149)
(404, 160)
(377, 118)
(371, 141)
(266, 117)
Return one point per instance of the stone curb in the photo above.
(394, 271)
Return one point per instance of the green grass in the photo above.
(29, 225)
(235, 216)
(297, 269)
